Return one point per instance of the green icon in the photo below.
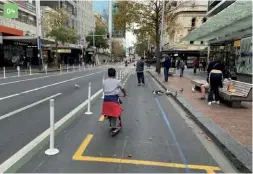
(10, 10)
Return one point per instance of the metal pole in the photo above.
(79, 67)
(89, 100)
(67, 68)
(4, 72)
(110, 26)
(73, 68)
(51, 150)
(38, 32)
(162, 26)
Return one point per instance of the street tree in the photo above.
(55, 22)
(144, 18)
(118, 49)
(101, 41)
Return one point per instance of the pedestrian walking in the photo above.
(204, 65)
(182, 67)
(140, 71)
(196, 65)
(215, 72)
(167, 66)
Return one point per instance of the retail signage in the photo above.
(237, 43)
(10, 10)
(63, 51)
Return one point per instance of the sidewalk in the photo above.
(202, 75)
(148, 142)
(236, 121)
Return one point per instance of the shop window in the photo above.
(191, 42)
(203, 20)
(193, 22)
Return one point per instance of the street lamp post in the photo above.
(38, 33)
(110, 26)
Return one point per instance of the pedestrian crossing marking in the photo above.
(79, 156)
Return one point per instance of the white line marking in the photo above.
(22, 152)
(1, 84)
(42, 87)
(28, 106)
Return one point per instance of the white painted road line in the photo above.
(1, 84)
(28, 106)
(42, 87)
(30, 146)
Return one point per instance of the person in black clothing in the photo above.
(215, 72)
(139, 71)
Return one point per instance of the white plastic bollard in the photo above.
(46, 69)
(117, 76)
(89, 100)
(52, 150)
(103, 96)
(30, 70)
(18, 68)
(4, 72)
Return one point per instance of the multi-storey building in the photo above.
(21, 27)
(185, 19)
(228, 32)
(82, 18)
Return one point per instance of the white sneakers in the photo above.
(217, 102)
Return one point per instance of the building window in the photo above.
(191, 42)
(202, 42)
(203, 20)
(193, 22)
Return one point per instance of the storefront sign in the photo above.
(237, 43)
(63, 51)
(10, 10)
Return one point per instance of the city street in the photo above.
(157, 136)
(24, 104)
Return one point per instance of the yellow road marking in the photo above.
(82, 147)
(80, 157)
(101, 118)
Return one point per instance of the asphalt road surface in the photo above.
(156, 137)
(24, 103)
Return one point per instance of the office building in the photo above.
(185, 19)
(14, 34)
(82, 18)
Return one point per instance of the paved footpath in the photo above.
(156, 137)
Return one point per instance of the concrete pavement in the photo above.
(24, 104)
(155, 138)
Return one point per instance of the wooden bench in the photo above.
(198, 83)
(243, 92)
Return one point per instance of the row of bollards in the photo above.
(46, 70)
(52, 150)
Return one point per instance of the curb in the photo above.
(22, 161)
(234, 151)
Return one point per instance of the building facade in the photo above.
(82, 18)
(228, 32)
(11, 49)
(185, 19)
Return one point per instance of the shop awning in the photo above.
(236, 17)
(28, 39)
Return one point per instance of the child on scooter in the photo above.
(111, 105)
